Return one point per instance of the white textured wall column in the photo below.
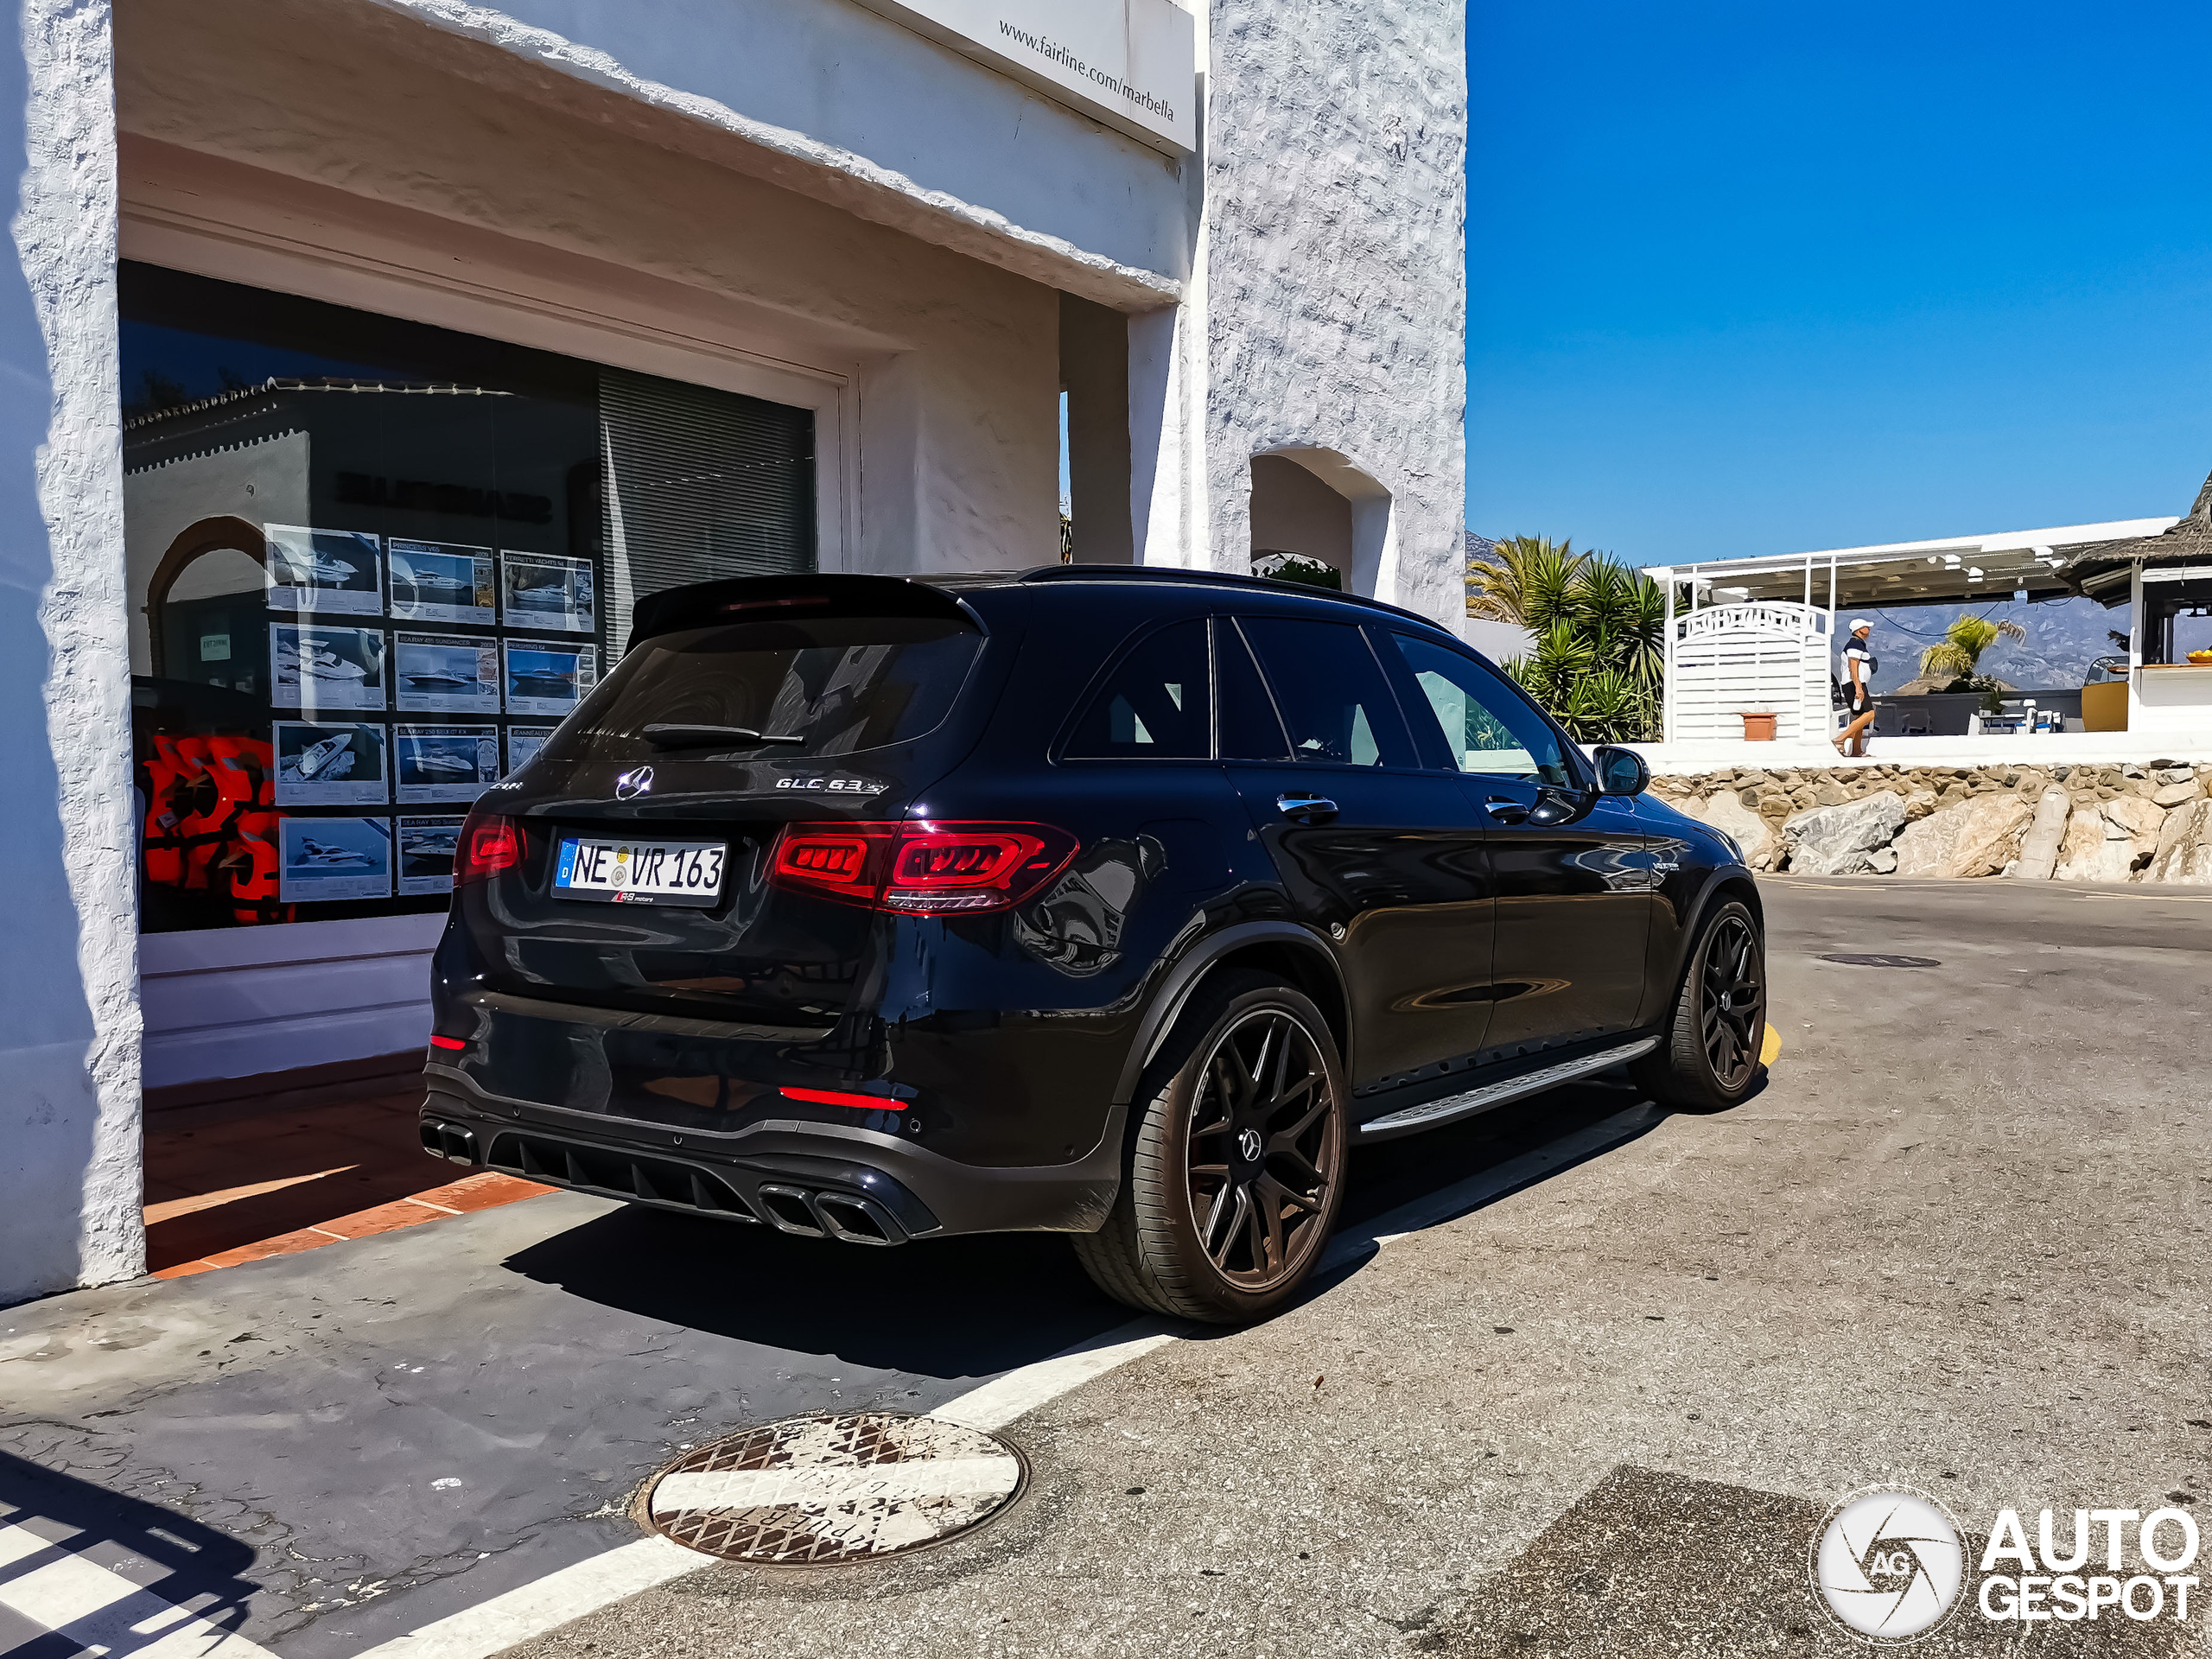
(1331, 268)
(69, 1101)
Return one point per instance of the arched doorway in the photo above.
(206, 608)
(1316, 513)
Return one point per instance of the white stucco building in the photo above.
(611, 295)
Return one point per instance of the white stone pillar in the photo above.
(69, 1101)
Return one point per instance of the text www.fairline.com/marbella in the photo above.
(1066, 59)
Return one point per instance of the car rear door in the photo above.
(1568, 866)
(1378, 853)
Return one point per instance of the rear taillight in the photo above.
(488, 844)
(925, 867)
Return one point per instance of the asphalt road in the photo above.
(1957, 1241)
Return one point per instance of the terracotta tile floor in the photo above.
(242, 1179)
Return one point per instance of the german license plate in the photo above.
(641, 872)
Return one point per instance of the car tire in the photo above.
(1236, 1161)
(1708, 1055)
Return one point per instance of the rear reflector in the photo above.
(447, 1042)
(832, 1097)
(927, 867)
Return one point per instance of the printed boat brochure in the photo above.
(325, 765)
(439, 582)
(446, 673)
(317, 669)
(444, 763)
(339, 572)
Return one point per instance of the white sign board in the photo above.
(1130, 63)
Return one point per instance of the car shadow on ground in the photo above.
(977, 1306)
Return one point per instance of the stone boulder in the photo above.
(2107, 841)
(1727, 813)
(2046, 833)
(2184, 850)
(2173, 795)
(1840, 840)
(1979, 836)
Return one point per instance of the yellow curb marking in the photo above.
(1770, 1046)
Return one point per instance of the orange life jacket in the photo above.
(169, 777)
(203, 822)
(249, 860)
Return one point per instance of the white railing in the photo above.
(1769, 656)
(1779, 617)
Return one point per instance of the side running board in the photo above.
(1431, 1112)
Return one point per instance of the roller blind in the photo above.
(699, 484)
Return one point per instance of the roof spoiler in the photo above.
(792, 598)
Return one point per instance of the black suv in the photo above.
(1115, 902)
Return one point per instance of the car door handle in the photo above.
(1506, 809)
(1305, 809)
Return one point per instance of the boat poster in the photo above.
(334, 571)
(439, 582)
(446, 673)
(544, 590)
(318, 668)
(444, 763)
(547, 678)
(522, 744)
(319, 764)
(324, 859)
(426, 855)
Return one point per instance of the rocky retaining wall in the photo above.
(2151, 823)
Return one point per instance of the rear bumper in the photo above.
(817, 1179)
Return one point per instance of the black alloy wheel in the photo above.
(1731, 1009)
(1261, 1165)
(1707, 1057)
(1236, 1163)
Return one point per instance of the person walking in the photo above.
(1858, 665)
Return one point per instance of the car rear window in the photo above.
(829, 685)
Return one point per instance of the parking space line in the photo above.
(1021, 1392)
(544, 1604)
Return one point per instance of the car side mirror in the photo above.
(1621, 772)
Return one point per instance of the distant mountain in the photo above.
(2064, 637)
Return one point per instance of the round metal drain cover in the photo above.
(1884, 961)
(811, 1490)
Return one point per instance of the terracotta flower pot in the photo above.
(1757, 728)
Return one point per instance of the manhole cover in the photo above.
(833, 1489)
(1884, 961)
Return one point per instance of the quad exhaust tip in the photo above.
(844, 1216)
(802, 1211)
(450, 1142)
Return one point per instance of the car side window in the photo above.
(1154, 704)
(1336, 707)
(1485, 725)
(1249, 728)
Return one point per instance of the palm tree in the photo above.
(1959, 656)
(1524, 580)
(1599, 633)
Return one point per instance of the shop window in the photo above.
(374, 563)
(2177, 616)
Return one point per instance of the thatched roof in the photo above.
(2101, 569)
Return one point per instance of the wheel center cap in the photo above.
(1247, 1143)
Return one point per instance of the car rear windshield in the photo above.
(825, 686)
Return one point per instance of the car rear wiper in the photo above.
(668, 735)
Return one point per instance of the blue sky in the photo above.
(1758, 277)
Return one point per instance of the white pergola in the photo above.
(1758, 632)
